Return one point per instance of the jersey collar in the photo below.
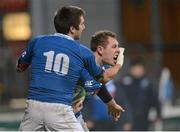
(64, 36)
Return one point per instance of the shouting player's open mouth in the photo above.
(116, 56)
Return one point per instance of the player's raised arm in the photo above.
(24, 61)
(94, 87)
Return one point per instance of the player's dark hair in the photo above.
(100, 38)
(66, 17)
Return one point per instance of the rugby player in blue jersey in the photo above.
(104, 44)
(57, 62)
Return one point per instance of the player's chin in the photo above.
(112, 63)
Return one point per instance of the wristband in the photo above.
(104, 95)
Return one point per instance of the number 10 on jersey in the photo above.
(58, 63)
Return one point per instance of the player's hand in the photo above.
(78, 106)
(114, 109)
(120, 59)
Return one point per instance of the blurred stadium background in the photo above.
(147, 28)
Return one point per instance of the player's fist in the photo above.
(120, 59)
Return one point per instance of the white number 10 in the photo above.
(61, 62)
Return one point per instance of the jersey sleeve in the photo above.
(26, 57)
(88, 82)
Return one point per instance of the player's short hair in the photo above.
(66, 17)
(100, 38)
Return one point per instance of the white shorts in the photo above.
(42, 116)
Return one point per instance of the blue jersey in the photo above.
(57, 62)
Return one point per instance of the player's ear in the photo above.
(99, 50)
(72, 29)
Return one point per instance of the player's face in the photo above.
(77, 33)
(110, 52)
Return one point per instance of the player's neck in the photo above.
(98, 59)
(71, 35)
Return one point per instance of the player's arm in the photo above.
(86, 85)
(88, 82)
(110, 73)
(114, 109)
(94, 87)
(24, 61)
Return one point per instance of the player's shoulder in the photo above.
(36, 38)
(33, 41)
(85, 50)
(45, 37)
